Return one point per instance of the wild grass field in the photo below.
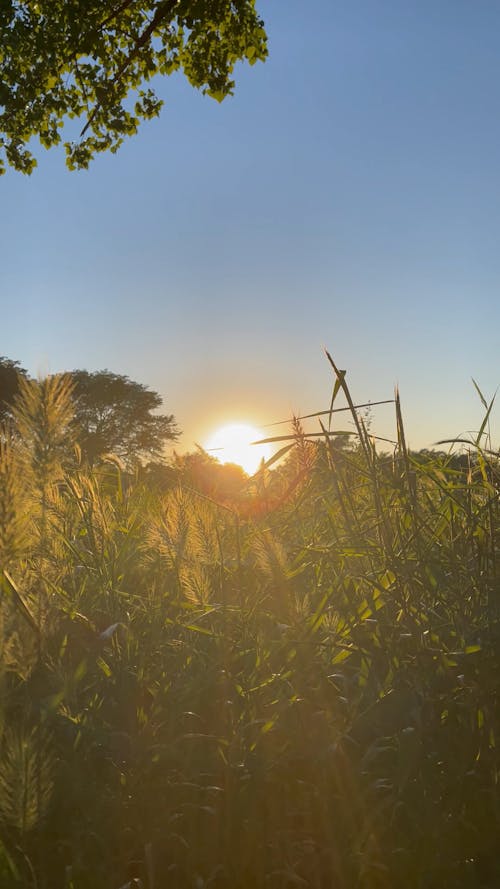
(294, 686)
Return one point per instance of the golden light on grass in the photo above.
(233, 444)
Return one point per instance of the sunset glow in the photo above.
(232, 444)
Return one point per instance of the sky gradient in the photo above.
(347, 196)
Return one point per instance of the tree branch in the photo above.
(116, 12)
(164, 9)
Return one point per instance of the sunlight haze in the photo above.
(234, 444)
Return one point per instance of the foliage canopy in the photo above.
(90, 59)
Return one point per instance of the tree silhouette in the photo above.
(10, 372)
(114, 414)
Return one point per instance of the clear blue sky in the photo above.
(347, 196)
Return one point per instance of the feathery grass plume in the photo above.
(270, 556)
(196, 583)
(19, 648)
(203, 541)
(305, 451)
(169, 531)
(193, 537)
(271, 562)
(104, 520)
(43, 411)
(27, 767)
(13, 513)
(42, 415)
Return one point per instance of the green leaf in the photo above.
(342, 655)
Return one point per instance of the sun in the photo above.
(233, 444)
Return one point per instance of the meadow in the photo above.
(293, 685)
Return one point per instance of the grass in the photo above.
(294, 687)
